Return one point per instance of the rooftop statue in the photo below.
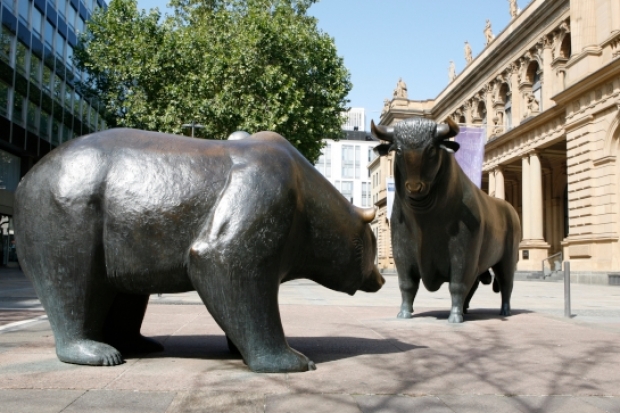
(401, 89)
(488, 33)
(468, 56)
(107, 219)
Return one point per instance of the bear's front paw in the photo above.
(289, 361)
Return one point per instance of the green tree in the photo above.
(227, 64)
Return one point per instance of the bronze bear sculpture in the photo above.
(107, 219)
(444, 228)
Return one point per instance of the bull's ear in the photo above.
(383, 149)
(453, 146)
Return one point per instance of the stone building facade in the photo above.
(547, 91)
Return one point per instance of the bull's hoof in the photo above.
(505, 310)
(455, 318)
(405, 314)
(89, 352)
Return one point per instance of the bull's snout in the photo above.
(415, 188)
(373, 282)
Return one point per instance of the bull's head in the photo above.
(421, 146)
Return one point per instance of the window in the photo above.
(61, 7)
(21, 58)
(60, 46)
(55, 133)
(58, 89)
(347, 161)
(68, 97)
(47, 77)
(328, 160)
(537, 90)
(66, 134)
(4, 99)
(35, 69)
(508, 112)
(31, 116)
(24, 11)
(357, 162)
(80, 25)
(71, 13)
(6, 44)
(18, 108)
(365, 194)
(44, 125)
(49, 34)
(37, 21)
(320, 164)
(69, 61)
(93, 118)
(346, 189)
(371, 155)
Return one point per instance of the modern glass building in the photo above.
(39, 105)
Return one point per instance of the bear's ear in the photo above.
(453, 146)
(383, 149)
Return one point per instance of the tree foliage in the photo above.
(227, 64)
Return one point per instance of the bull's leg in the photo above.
(408, 284)
(470, 295)
(122, 325)
(504, 274)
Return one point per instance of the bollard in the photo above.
(567, 289)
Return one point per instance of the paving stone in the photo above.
(39, 401)
(401, 404)
(115, 401)
(214, 402)
(608, 404)
(315, 403)
(552, 404)
(479, 404)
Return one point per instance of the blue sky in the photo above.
(382, 40)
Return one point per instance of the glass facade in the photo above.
(39, 105)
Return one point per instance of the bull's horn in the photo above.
(447, 130)
(382, 132)
(367, 214)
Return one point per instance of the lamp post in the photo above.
(192, 125)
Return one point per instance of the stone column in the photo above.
(525, 196)
(583, 24)
(548, 211)
(547, 74)
(515, 95)
(499, 183)
(488, 94)
(492, 182)
(536, 197)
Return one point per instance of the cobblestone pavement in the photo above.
(367, 360)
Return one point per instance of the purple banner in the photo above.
(471, 154)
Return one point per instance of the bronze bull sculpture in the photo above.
(106, 220)
(444, 228)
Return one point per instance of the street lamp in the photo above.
(192, 125)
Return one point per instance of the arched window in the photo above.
(506, 96)
(565, 47)
(482, 112)
(533, 76)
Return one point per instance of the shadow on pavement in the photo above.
(476, 314)
(318, 349)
